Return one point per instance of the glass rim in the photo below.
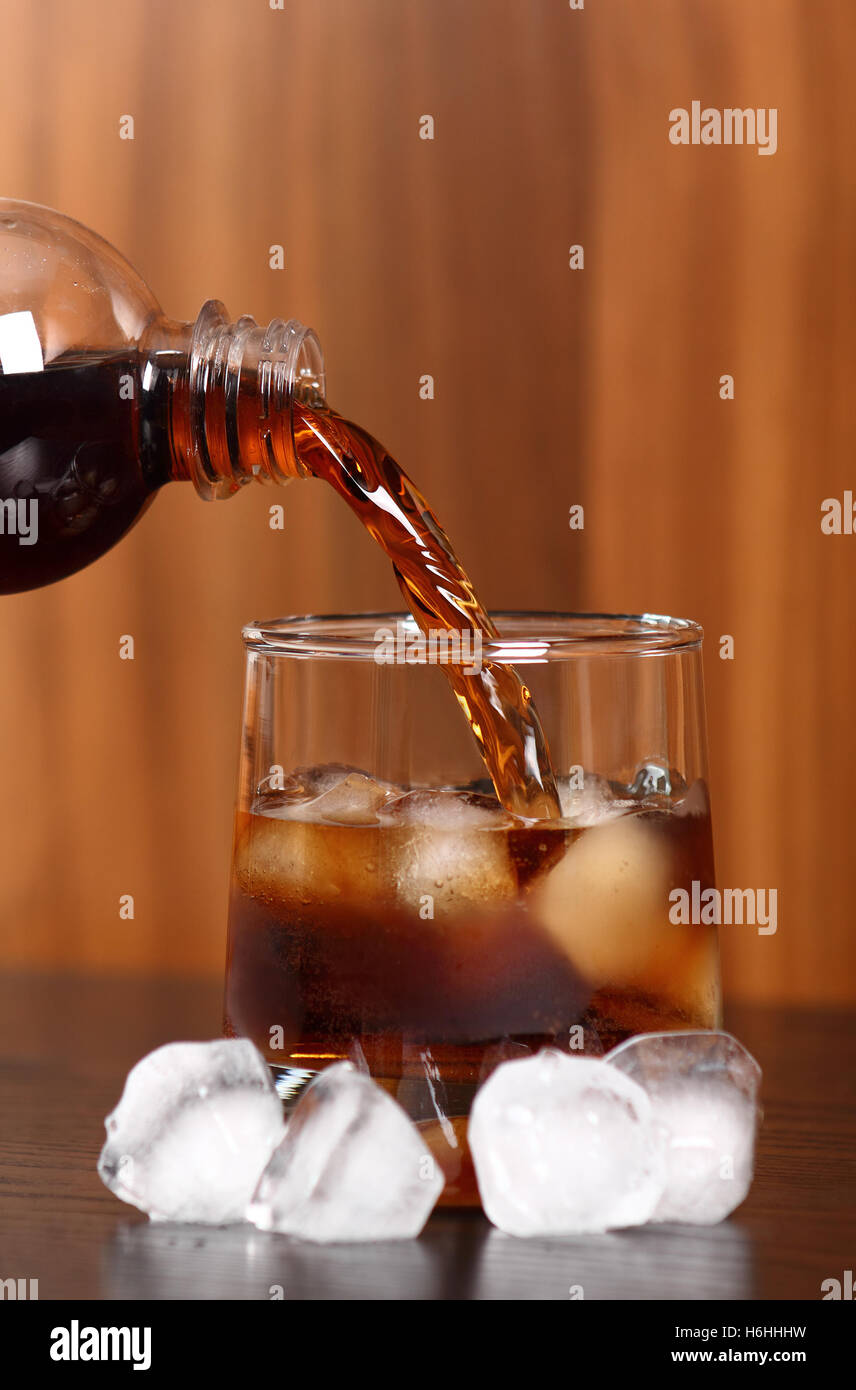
(528, 636)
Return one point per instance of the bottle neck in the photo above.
(219, 396)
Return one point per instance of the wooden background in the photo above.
(300, 127)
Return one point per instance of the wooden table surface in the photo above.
(66, 1044)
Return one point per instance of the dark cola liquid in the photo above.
(331, 958)
(71, 477)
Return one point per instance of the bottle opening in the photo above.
(242, 382)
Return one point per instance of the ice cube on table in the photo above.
(195, 1126)
(449, 845)
(606, 902)
(351, 1166)
(703, 1088)
(559, 1148)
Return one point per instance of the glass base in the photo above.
(290, 1083)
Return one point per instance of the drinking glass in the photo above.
(387, 910)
